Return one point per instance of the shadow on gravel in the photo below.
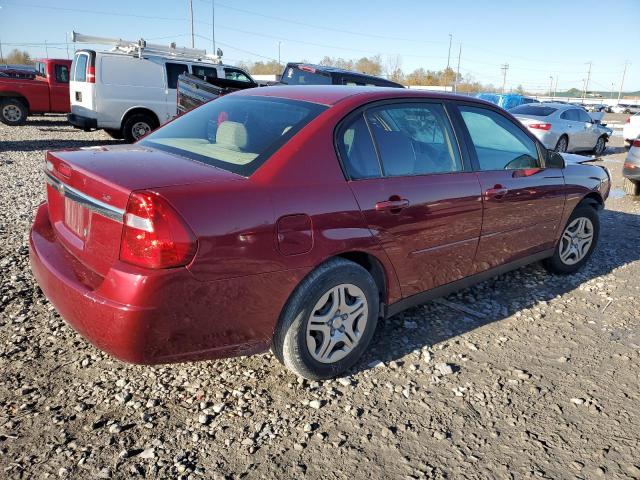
(35, 145)
(48, 122)
(500, 297)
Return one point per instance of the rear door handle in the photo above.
(496, 193)
(393, 204)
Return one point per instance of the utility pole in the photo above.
(193, 39)
(550, 86)
(279, 44)
(455, 80)
(555, 88)
(624, 72)
(46, 48)
(449, 56)
(504, 69)
(586, 85)
(66, 42)
(612, 87)
(213, 26)
(1, 56)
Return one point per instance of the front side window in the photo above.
(358, 153)
(174, 70)
(62, 74)
(498, 142)
(584, 117)
(571, 115)
(414, 139)
(237, 134)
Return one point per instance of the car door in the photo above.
(418, 197)
(59, 85)
(523, 201)
(574, 129)
(590, 131)
(173, 71)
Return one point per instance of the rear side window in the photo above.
(237, 134)
(174, 70)
(414, 139)
(358, 153)
(533, 110)
(62, 74)
(80, 70)
(204, 71)
(295, 76)
(498, 142)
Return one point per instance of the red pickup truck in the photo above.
(48, 92)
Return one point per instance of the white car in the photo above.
(132, 90)
(631, 129)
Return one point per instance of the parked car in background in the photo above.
(599, 107)
(507, 100)
(631, 169)
(309, 74)
(46, 92)
(194, 90)
(563, 127)
(631, 129)
(293, 218)
(18, 71)
(131, 90)
(625, 108)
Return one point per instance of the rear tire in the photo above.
(137, 126)
(562, 145)
(328, 322)
(13, 112)
(579, 239)
(631, 187)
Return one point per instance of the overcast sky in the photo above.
(537, 39)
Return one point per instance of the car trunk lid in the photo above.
(88, 190)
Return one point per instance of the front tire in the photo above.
(329, 321)
(631, 187)
(579, 239)
(601, 145)
(13, 112)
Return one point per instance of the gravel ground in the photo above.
(540, 381)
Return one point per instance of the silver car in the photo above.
(631, 169)
(563, 127)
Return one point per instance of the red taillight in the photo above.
(91, 74)
(629, 166)
(636, 142)
(628, 120)
(154, 235)
(540, 126)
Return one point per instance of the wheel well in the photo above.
(16, 96)
(137, 110)
(594, 200)
(372, 265)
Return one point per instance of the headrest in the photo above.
(232, 135)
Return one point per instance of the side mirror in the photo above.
(554, 160)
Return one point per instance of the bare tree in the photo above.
(393, 68)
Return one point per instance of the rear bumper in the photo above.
(163, 316)
(632, 173)
(84, 123)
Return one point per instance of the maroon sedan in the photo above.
(296, 217)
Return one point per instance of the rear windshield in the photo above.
(295, 76)
(538, 111)
(234, 133)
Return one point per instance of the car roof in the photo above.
(332, 94)
(559, 106)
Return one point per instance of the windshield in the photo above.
(538, 111)
(295, 76)
(234, 133)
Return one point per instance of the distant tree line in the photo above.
(17, 57)
(390, 68)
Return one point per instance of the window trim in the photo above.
(466, 136)
(345, 121)
(58, 67)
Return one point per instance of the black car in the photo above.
(309, 74)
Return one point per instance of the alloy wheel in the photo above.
(11, 113)
(600, 146)
(337, 323)
(562, 145)
(576, 240)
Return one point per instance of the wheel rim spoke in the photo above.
(576, 240)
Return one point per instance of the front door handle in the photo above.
(393, 205)
(496, 193)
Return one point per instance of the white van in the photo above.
(128, 95)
